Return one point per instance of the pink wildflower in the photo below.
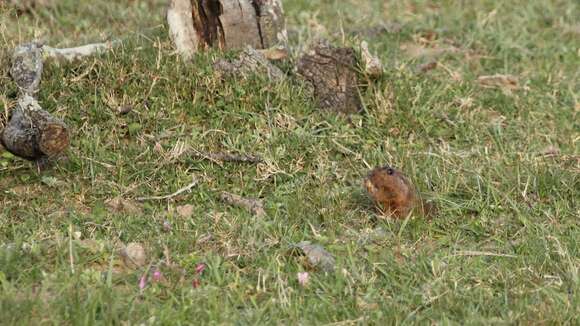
(157, 275)
(143, 282)
(303, 278)
(200, 268)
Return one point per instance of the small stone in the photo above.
(185, 211)
(122, 205)
(133, 255)
(122, 110)
(317, 256)
(167, 227)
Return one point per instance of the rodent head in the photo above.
(394, 194)
(387, 182)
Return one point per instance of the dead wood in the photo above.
(33, 133)
(79, 52)
(180, 21)
(172, 195)
(26, 69)
(255, 206)
(249, 62)
(331, 72)
(372, 64)
(196, 25)
(227, 157)
(271, 22)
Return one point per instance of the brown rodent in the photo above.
(394, 194)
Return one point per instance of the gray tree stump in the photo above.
(196, 25)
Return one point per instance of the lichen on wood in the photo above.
(271, 22)
(33, 133)
(26, 69)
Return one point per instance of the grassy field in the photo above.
(502, 163)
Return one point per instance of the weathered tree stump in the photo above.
(196, 25)
(332, 73)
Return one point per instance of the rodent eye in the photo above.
(390, 171)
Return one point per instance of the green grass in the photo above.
(477, 151)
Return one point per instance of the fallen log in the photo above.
(33, 133)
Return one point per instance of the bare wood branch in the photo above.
(227, 157)
(481, 253)
(175, 194)
(71, 54)
(32, 133)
